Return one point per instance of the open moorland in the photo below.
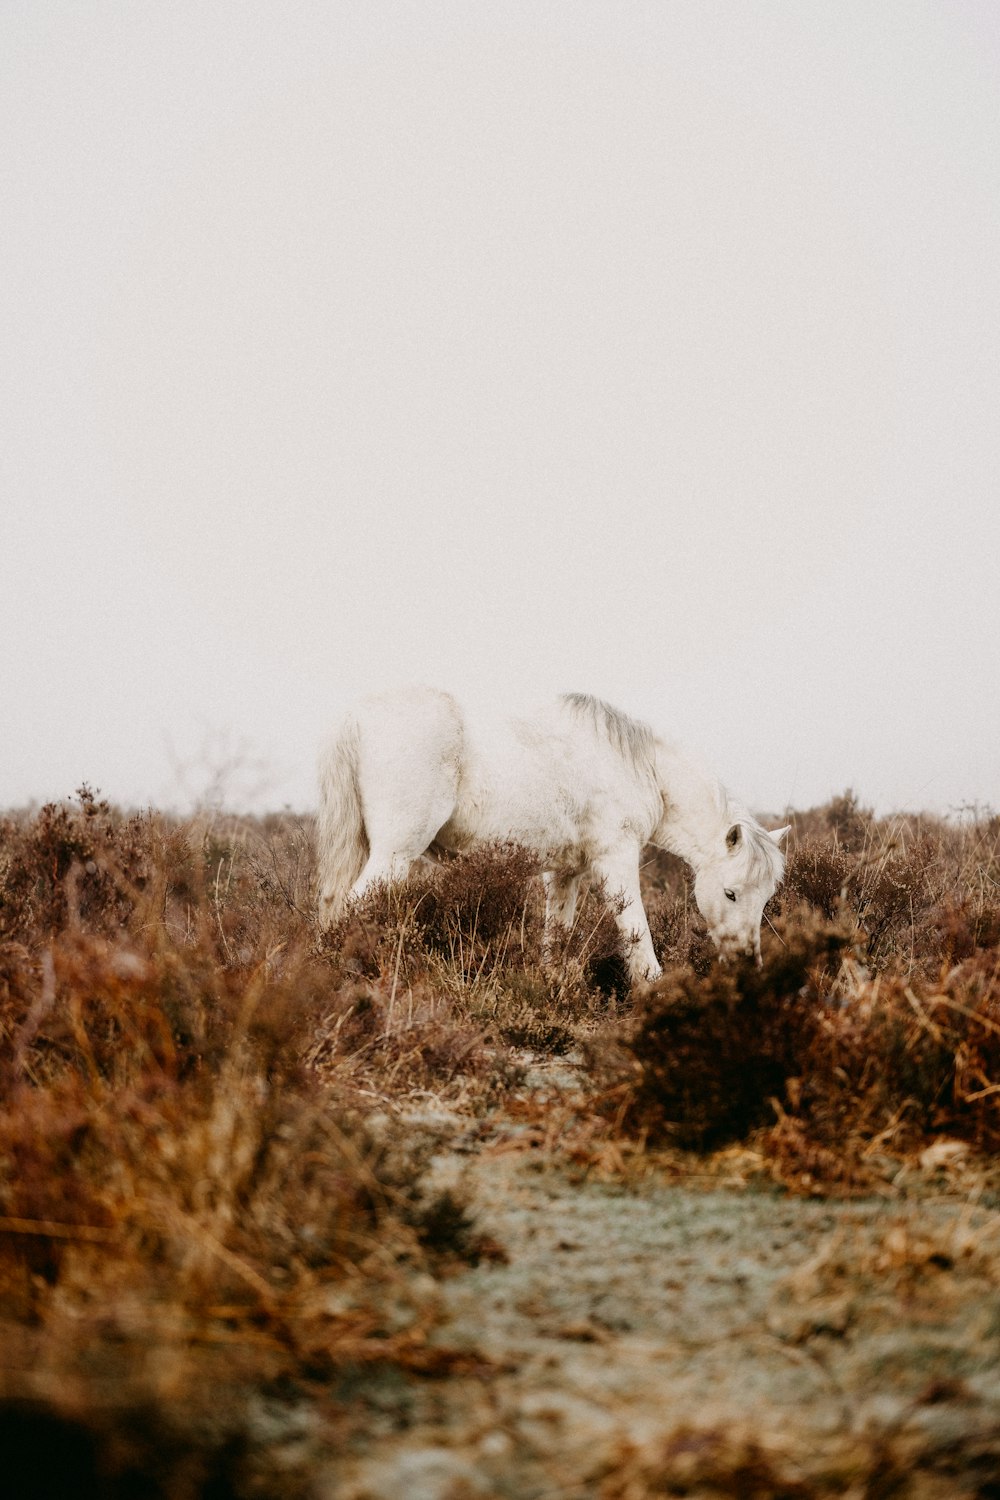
(404, 1211)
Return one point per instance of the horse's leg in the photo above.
(395, 845)
(619, 873)
(383, 865)
(399, 834)
(561, 892)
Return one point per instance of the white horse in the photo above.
(411, 773)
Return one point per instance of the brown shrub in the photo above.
(817, 871)
(85, 863)
(416, 1040)
(912, 892)
(844, 1061)
(706, 1053)
(900, 1063)
(706, 1461)
(473, 911)
(842, 821)
(527, 1014)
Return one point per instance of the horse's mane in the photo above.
(633, 740)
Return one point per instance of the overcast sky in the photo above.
(646, 349)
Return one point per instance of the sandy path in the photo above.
(826, 1331)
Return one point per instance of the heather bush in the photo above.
(475, 911)
(913, 891)
(84, 863)
(809, 1055)
(705, 1053)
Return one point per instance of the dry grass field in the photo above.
(403, 1211)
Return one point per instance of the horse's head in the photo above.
(733, 886)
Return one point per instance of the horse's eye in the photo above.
(729, 895)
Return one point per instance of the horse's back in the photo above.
(553, 778)
(427, 712)
(416, 723)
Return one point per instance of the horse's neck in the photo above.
(694, 814)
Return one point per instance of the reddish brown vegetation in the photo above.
(872, 1027)
(204, 1184)
(178, 1177)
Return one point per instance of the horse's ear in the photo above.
(778, 834)
(733, 836)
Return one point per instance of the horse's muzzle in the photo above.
(733, 952)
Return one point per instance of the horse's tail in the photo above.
(341, 840)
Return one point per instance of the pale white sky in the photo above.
(648, 349)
